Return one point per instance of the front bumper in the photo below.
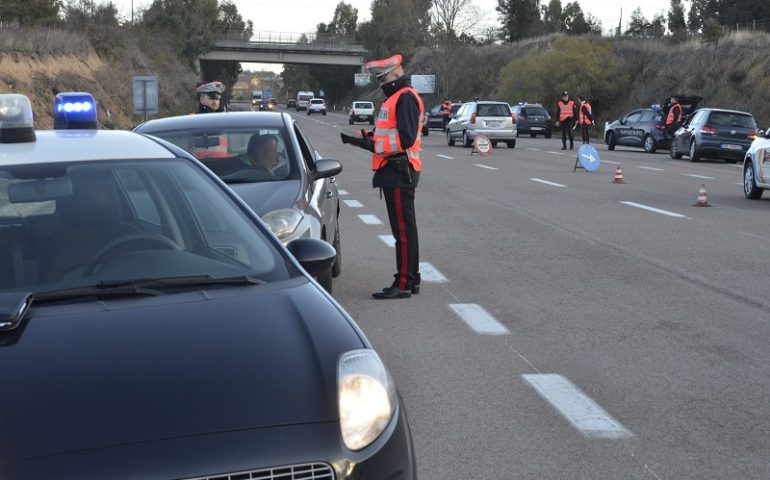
(391, 456)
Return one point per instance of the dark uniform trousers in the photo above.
(403, 224)
(566, 129)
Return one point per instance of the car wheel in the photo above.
(337, 265)
(425, 131)
(449, 140)
(750, 188)
(548, 135)
(610, 141)
(649, 144)
(467, 142)
(694, 155)
(371, 122)
(511, 143)
(493, 142)
(674, 154)
(324, 113)
(533, 135)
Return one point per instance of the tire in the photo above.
(371, 122)
(449, 140)
(425, 131)
(324, 113)
(493, 142)
(610, 141)
(511, 143)
(337, 265)
(674, 154)
(467, 142)
(750, 189)
(649, 144)
(548, 135)
(694, 155)
(533, 135)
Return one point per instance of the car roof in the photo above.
(53, 146)
(723, 110)
(216, 121)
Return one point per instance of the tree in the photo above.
(396, 26)
(676, 23)
(451, 22)
(519, 18)
(639, 26)
(30, 12)
(574, 21)
(657, 26)
(335, 81)
(552, 17)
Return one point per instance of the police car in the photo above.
(756, 166)
(151, 326)
(646, 127)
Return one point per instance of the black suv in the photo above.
(646, 127)
(532, 119)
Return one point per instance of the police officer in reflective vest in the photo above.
(395, 144)
(585, 118)
(674, 117)
(566, 115)
(446, 110)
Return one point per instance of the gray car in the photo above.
(491, 119)
(294, 192)
(715, 133)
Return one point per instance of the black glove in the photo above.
(364, 142)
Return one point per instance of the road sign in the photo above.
(424, 83)
(145, 95)
(588, 158)
(482, 145)
(361, 79)
(268, 93)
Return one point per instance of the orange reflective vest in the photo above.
(583, 119)
(566, 110)
(674, 117)
(219, 151)
(386, 139)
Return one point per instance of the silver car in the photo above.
(491, 119)
(756, 166)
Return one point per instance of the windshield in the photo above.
(534, 112)
(81, 224)
(731, 119)
(239, 155)
(363, 105)
(493, 110)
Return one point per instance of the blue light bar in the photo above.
(74, 111)
(655, 106)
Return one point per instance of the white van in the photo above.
(361, 111)
(303, 98)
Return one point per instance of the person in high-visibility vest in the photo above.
(210, 97)
(446, 110)
(395, 144)
(565, 112)
(674, 117)
(585, 118)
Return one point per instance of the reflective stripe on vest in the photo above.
(583, 118)
(674, 118)
(386, 139)
(220, 151)
(566, 110)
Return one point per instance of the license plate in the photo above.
(731, 146)
(493, 124)
(536, 128)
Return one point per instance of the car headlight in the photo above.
(283, 222)
(367, 397)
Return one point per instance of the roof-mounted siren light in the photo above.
(655, 106)
(74, 111)
(16, 123)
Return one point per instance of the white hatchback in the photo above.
(316, 105)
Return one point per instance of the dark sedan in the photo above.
(646, 127)
(715, 133)
(532, 119)
(435, 119)
(294, 193)
(151, 327)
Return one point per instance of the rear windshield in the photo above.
(493, 110)
(317, 102)
(363, 105)
(534, 112)
(731, 119)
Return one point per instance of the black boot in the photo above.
(389, 293)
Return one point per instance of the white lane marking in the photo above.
(478, 319)
(739, 183)
(699, 176)
(388, 240)
(553, 184)
(342, 192)
(428, 273)
(576, 407)
(353, 203)
(485, 166)
(655, 210)
(370, 219)
(555, 153)
(610, 161)
(755, 236)
(650, 168)
(535, 149)
(445, 156)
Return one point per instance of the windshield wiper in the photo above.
(142, 287)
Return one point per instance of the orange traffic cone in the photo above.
(618, 175)
(703, 200)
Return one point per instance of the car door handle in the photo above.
(329, 194)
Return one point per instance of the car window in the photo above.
(647, 116)
(535, 111)
(493, 110)
(731, 119)
(633, 117)
(364, 105)
(306, 148)
(694, 118)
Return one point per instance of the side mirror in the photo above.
(326, 167)
(762, 133)
(622, 120)
(316, 256)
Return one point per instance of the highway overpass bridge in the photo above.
(290, 48)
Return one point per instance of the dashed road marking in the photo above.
(445, 156)
(342, 192)
(388, 240)
(535, 149)
(655, 210)
(650, 168)
(610, 161)
(429, 274)
(576, 407)
(699, 176)
(553, 184)
(478, 319)
(555, 153)
(353, 203)
(485, 166)
(370, 219)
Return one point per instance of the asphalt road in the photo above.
(565, 334)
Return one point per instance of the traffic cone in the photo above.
(618, 175)
(703, 200)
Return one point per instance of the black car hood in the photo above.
(264, 197)
(107, 373)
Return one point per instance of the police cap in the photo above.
(380, 68)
